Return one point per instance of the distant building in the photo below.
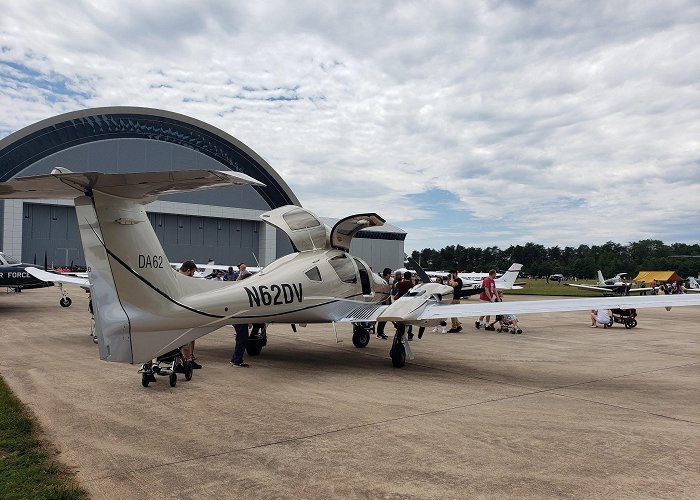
(223, 224)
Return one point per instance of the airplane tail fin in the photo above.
(136, 295)
(601, 280)
(507, 281)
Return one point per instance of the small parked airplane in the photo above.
(505, 282)
(143, 309)
(612, 286)
(19, 276)
(211, 269)
(471, 282)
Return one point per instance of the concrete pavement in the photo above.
(563, 410)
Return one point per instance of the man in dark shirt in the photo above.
(381, 324)
(402, 287)
(456, 283)
(242, 330)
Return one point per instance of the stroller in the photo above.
(508, 323)
(166, 365)
(624, 316)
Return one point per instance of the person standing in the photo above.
(241, 329)
(188, 268)
(488, 295)
(401, 288)
(456, 283)
(243, 272)
(386, 275)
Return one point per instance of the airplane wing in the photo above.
(369, 312)
(439, 311)
(594, 288)
(58, 278)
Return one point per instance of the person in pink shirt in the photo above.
(488, 295)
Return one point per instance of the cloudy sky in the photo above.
(479, 123)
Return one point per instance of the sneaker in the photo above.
(594, 326)
(382, 336)
(452, 330)
(458, 329)
(195, 365)
(240, 365)
(490, 328)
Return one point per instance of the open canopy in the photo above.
(648, 276)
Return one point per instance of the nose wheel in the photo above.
(399, 350)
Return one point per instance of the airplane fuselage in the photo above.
(306, 287)
(16, 276)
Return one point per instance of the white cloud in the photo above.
(547, 117)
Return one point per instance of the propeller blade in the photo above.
(419, 270)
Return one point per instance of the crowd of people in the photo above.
(189, 268)
(401, 283)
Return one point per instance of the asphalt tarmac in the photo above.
(562, 411)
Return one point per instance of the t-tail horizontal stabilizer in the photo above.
(140, 303)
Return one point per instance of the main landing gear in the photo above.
(360, 335)
(257, 339)
(400, 349)
(166, 365)
(65, 299)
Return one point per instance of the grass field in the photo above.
(27, 467)
(541, 287)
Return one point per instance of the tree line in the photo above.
(581, 262)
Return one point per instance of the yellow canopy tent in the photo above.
(661, 276)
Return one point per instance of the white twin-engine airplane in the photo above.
(144, 309)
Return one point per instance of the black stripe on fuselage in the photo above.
(203, 313)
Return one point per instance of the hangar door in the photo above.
(52, 230)
(227, 241)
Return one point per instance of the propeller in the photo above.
(419, 270)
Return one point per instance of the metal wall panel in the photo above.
(51, 231)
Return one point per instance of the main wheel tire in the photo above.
(254, 348)
(173, 379)
(188, 370)
(398, 356)
(630, 323)
(144, 380)
(65, 302)
(360, 337)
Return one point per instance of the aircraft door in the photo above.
(364, 278)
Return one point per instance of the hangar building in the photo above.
(221, 224)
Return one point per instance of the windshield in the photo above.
(10, 260)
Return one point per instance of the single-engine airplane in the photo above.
(471, 282)
(20, 276)
(612, 286)
(143, 309)
(504, 282)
